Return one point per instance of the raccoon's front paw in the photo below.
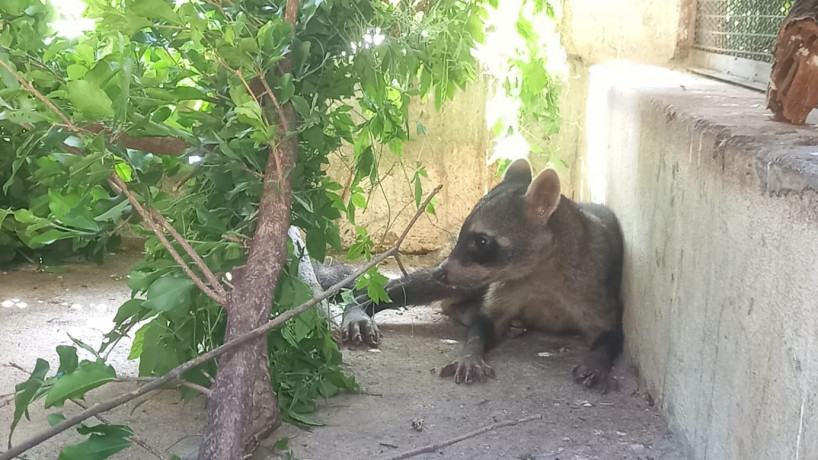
(357, 327)
(595, 372)
(468, 369)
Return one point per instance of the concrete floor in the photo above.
(399, 386)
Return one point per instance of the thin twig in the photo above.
(440, 445)
(31, 89)
(193, 172)
(400, 265)
(229, 346)
(157, 230)
(6, 399)
(197, 259)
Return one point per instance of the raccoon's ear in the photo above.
(518, 172)
(543, 196)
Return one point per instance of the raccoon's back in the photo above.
(606, 242)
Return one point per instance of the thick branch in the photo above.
(229, 346)
(157, 145)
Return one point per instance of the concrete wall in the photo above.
(595, 32)
(719, 207)
(454, 152)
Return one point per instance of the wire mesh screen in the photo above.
(741, 28)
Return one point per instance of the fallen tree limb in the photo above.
(463, 437)
(231, 345)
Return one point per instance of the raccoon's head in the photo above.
(504, 235)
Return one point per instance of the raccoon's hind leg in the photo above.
(606, 345)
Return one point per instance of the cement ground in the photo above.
(399, 385)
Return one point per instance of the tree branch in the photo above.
(229, 346)
(157, 230)
(183, 383)
(190, 251)
(157, 145)
(434, 447)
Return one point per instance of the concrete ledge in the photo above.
(719, 206)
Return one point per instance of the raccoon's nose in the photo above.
(440, 275)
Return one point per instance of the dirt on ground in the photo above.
(403, 404)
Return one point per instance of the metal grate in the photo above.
(739, 28)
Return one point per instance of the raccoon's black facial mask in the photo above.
(482, 249)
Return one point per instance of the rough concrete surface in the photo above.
(719, 212)
(399, 384)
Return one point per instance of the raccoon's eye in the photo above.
(482, 249)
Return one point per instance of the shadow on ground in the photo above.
(399, 383)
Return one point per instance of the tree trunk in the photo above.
(793, 89)
(243, 408)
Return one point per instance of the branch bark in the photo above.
(237, 342)
(243, 408)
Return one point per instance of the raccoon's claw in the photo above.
(595, 373)
(467, 370)
(357, 327)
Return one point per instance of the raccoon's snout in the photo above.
(440, 275)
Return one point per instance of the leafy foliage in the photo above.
(523, 54)
(166, 98)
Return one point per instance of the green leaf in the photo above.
(138, 342)
(90, 99)
(68, 360)
(287, 88)
(127, 310)
(282, 444)
(55, 419)
(154, 9)
(27, 392)
(89, 375)
(169, 293)
(123, 170)
(114, 213)
(105, 441)
(85, 346)
(304, 420)
(76, 71)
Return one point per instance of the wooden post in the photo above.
(793, 89)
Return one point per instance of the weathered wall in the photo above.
(454, 152)
(641, 30)
(594, 32)
(720, 214)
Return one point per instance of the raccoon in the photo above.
(528, 255)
